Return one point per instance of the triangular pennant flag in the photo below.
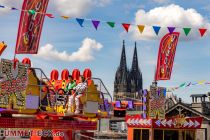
(188, 84)
(202, 31)
(201, 82)
(1, 6)
(171, 29)
(13, 8)
(126, 26)
(49, 15)
(80, 21)
(95, 23)
(141, 28)
(156, 29)
(32, 12)
(187, 31)
(111, 24)
(182, 85)
(65, 17)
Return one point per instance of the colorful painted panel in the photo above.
(157, 102)
(185, 123)
(13, 84)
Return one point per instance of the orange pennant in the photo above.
(141, 28)
(2, 47)
(65, 17)
(126, 26)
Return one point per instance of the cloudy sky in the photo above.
(64, 44)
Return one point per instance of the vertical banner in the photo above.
(166, 56)
(30, 26)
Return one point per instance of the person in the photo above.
(71, 84)
(69, 91)
(79, 90)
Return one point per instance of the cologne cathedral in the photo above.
(128, 82)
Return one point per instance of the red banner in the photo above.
(30, 26)
(166, 56)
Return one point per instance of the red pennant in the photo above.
(202, 31)
(126, 26)
(49, 15)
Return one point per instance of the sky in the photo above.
(64, 44)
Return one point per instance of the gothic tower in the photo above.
(121, 78)
(135, 75)
(127, 83)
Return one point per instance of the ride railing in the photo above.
(51, 100)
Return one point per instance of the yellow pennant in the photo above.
(65, 17)
(141, 28)
(201, 82)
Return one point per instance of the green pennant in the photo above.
(111, 24)
(32, 12)
(187, 31)
(182, 85)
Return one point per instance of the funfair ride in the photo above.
(31, 101)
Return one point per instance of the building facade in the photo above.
(128, 82)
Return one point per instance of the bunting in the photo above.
(111, 24)
(126, 26)
(141, 28)
(156, 29)
(171, 29)
(188, 84)
(187, 31)
(65, 17)
(49, 15)
(202, 31)
(95, 23)
(80, 21)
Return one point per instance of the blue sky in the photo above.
(104, 45)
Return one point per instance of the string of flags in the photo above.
(112, 24)
(187, 84)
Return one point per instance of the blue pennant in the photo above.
(13, 8)
(1, 6)
(156, 29)
(80, 21)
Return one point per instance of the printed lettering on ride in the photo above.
(166, 56)
(27, 132)
(30, 26)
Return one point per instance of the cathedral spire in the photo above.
(123, 65)
(135, 73)
(135, 65)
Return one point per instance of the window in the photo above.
(158, 134)
(171, 135)
(141, 134)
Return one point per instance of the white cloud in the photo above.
(171, 15)
(77, 7)
(84, 53)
